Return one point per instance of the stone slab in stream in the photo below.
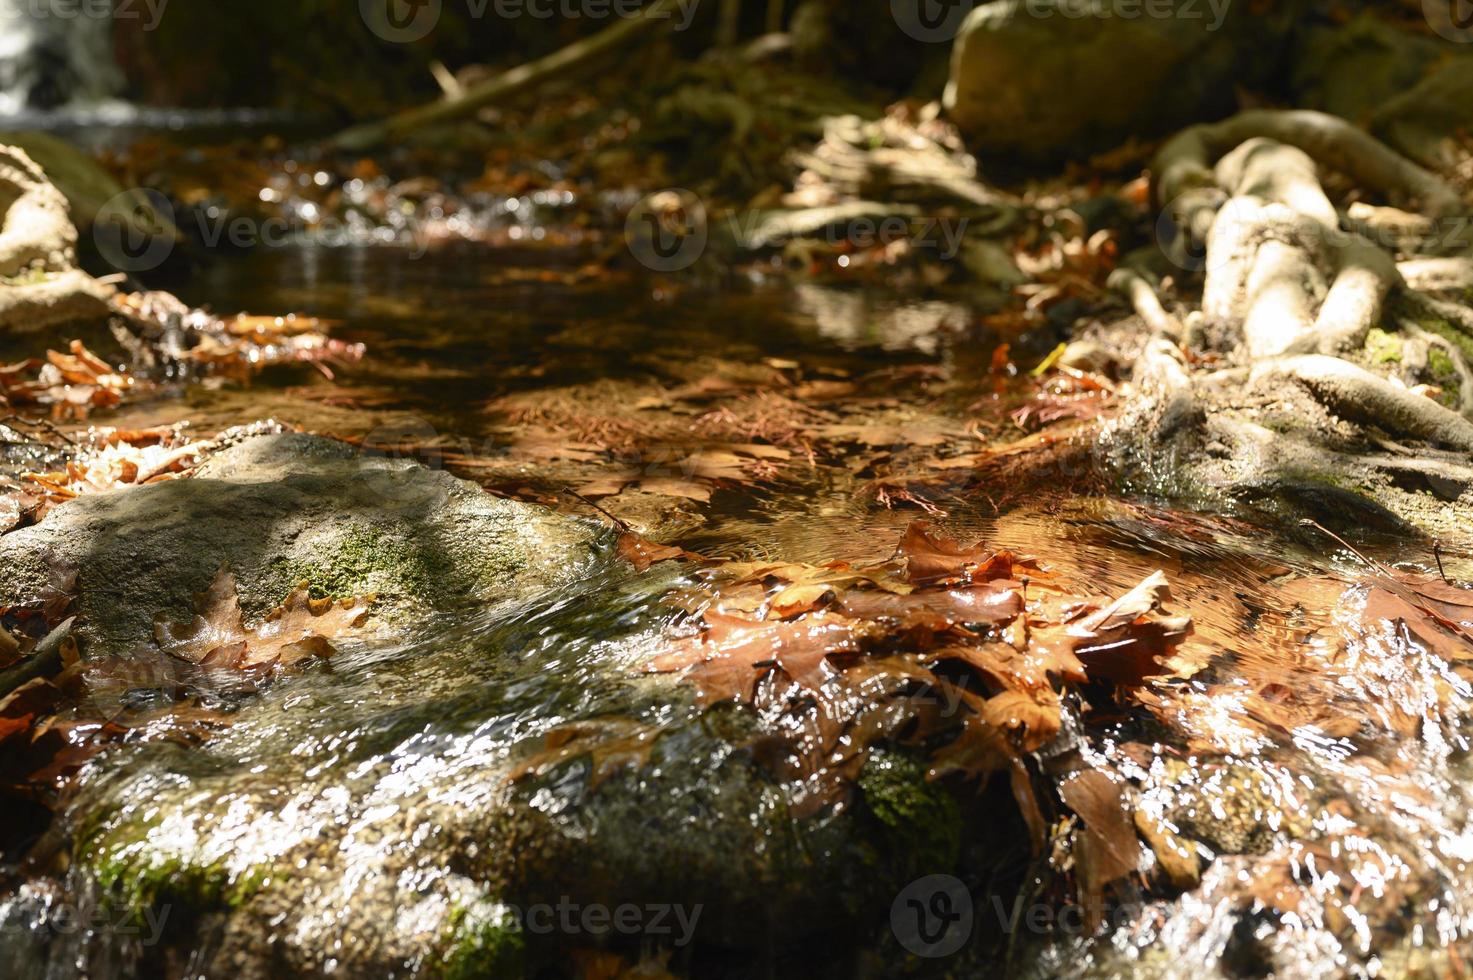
(285, 509)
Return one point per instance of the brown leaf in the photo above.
(216, 626)
(20, 709)
(1107, 849)
(937, 560)
(1032, 718)
(642, 553)
(299, 629)
(611, 744)
(992, 604)
(735, 653)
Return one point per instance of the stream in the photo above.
(375, 764)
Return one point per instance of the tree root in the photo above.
(1360, 396)
(1184, 163)
(1432, 275)
(1143, 299)
(61, 297)
(560, 64)
(36, 234)
(1289, 285)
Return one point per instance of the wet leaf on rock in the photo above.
(300, 629)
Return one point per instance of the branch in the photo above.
(534, 73)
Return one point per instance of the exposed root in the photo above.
(1365, 276)
(1184, 163)
(1361, 396)
(1135, 287)
(1292, 290)
(1438, 274)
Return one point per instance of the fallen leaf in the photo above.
(300, 629)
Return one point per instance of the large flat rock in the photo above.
(284, 509)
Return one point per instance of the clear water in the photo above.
(1347, 843)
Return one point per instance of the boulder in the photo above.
(40, 284)
(476, 795)
(1425, 121)
(285, 509)
(1046, 80)
(414, 811)
(1352, 69)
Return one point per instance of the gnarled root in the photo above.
(1360, 396)
(1293, 293)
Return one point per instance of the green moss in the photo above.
(365, 561)
(1441, 364)
(1382, 347)
(485, 942)
(921, 815)
(1450, 333)
(134, 875)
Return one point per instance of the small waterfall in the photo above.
(56, 53)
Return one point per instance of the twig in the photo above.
(1370, 562)
(622, 527)
(42, 424)
(558, 64)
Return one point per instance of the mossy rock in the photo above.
(284, 509)
(376, 807)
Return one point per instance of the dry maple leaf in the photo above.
(991, 604)
(299, 629)
(642, 553)
(1107, 849)
(1126, 641)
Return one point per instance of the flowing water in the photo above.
(1323, 766)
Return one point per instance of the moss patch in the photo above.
(485, 942)
(134, 875)
(366, 560)
(921, 814)
(1383, 347)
